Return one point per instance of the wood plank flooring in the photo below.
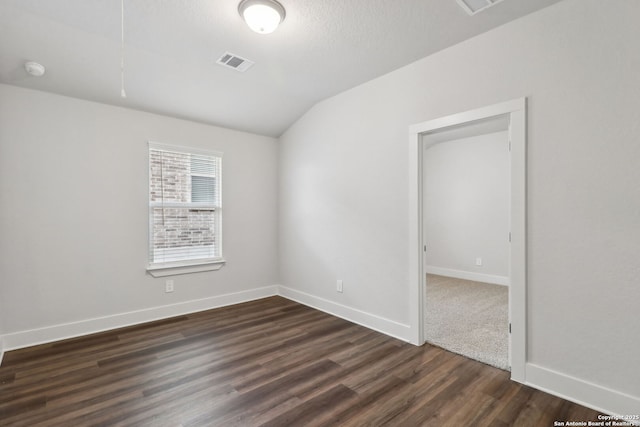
(271, 362)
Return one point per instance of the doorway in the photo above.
(421, 136)
(465, 233)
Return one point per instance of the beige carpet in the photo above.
(468, 318)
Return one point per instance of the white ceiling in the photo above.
(322, 48)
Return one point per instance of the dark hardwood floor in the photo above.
(270, 362)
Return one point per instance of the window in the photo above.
(184, 206)
(203, 179)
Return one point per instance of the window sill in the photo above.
(176, 269)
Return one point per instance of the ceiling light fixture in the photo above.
(262, 16)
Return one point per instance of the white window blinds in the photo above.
(185, 206)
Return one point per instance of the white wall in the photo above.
(466, 207)
(344, 187)
(1, 330)
(74, 216)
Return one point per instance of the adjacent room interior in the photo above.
(207, 220)
(466, 214)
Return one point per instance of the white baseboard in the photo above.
(368, 320)
(468, 275)
(584, 393)
(1, 349)
(85, 327)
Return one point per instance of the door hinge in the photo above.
(509, 236)
(425, 248)
(509, 327)
(509, 145)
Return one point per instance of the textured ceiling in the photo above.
(322, 48)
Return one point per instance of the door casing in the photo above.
(516, 110)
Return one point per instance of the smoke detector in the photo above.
(474, 6)
(34, 69)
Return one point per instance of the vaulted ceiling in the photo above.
(171, 46)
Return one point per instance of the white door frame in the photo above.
(516, 109)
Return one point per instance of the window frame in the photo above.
(188, 265)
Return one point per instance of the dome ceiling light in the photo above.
(262, 16)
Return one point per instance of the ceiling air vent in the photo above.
(234, 61)
(474, 6)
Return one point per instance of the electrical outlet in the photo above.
(478, 261)
(339, 286)
(168, 286)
